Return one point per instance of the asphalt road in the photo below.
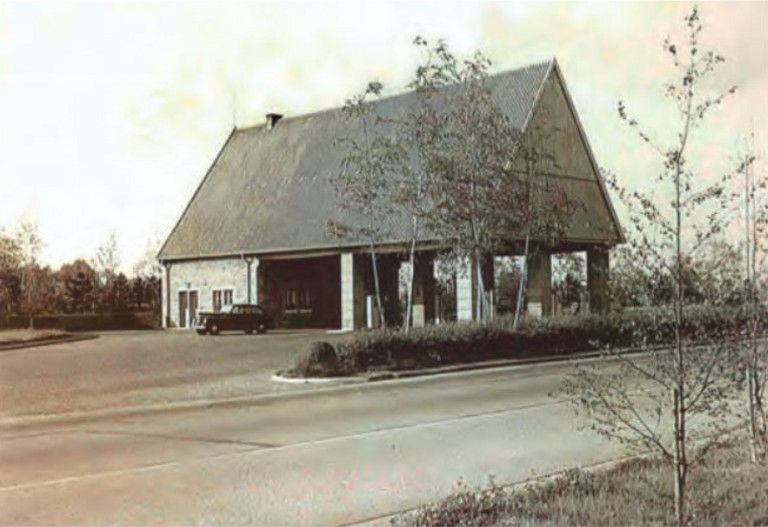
(140, 368)
(313, 457)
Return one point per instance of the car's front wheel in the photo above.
(214, 329)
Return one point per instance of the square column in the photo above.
(489, 284)
(597, 279)
(255, 266)
(539, 290)
(464, 290)
(165, 303)
(424, 290)
(355, 271)
(389, 283)
(347, 292)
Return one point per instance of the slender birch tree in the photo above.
(754, 351)
(652, 401)
(466, 148)
(466, 144)
(361, 185)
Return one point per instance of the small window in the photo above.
(290, 298)
(297, 300)
(221, 298)
(305, 301)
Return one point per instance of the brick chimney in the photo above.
(272, 119)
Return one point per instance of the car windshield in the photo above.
(226, 309)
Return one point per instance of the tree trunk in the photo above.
(752, 424)
(523, 283)
(680, 459)
(382, 319)
(409, 289)
(479, 302)
(524, 276)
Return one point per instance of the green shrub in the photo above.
(319, 361)
(472, 342)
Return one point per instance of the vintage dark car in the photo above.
(235, 317)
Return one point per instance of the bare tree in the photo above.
(29, 243)
(105, 263)
(10, 270)
(651, 402)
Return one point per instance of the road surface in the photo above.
(140, 368)
(313, 457)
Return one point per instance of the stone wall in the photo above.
(204, 276)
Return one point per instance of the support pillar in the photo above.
(167, 303)
(255, 266)
(539, 289)
(464, 290)
(248, 261)
(389, 282)
(362, 287)
(597, 279)
(347, 292)
(489, 284)
(424, 289)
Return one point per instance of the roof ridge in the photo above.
(255, 127)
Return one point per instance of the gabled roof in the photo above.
(268, 191)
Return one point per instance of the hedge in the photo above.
(86, 321)
(473, 342)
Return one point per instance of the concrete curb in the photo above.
(501, 363)
(45, 342)
(316, 380)
(404, 374)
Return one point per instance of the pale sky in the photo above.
(111, 112)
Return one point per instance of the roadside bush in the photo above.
(446, 344)
(464, 507)
(319, 361)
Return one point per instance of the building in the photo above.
(254, 230)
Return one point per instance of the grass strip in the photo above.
(726, 489)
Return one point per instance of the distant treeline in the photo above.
(29, 289)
